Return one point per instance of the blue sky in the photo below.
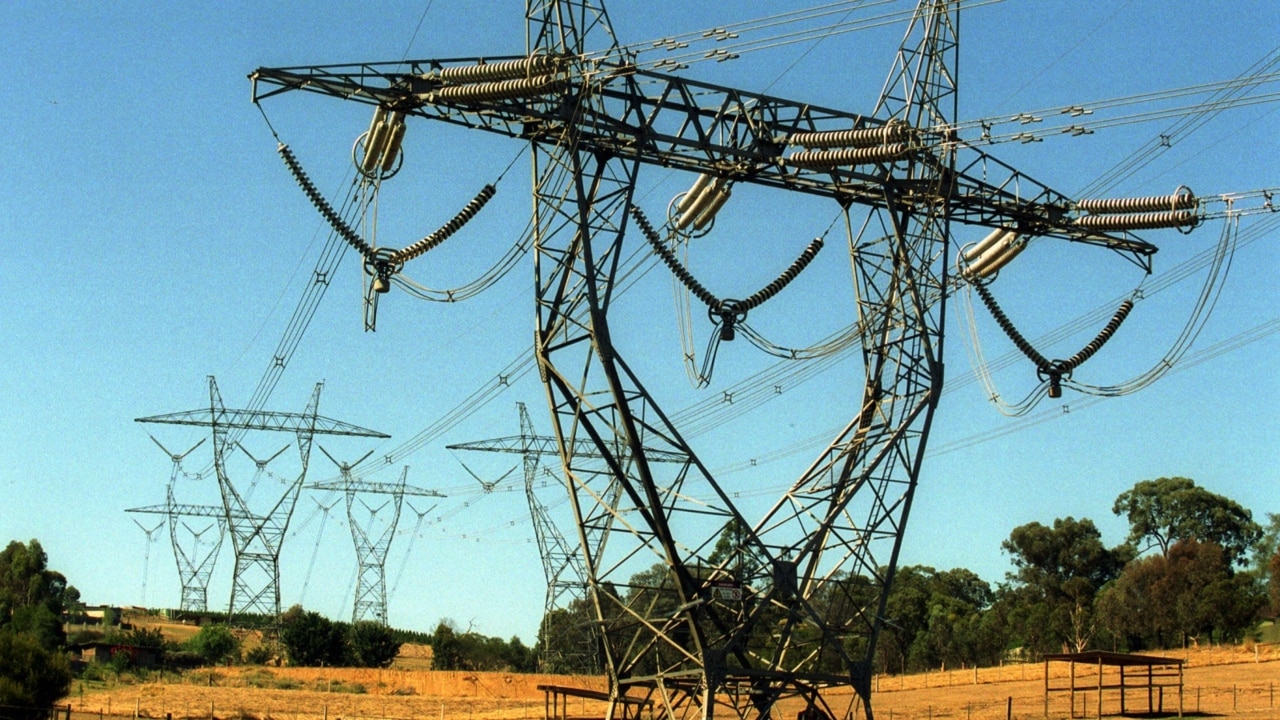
(153, 237)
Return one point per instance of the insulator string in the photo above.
(353, 239)
(785, 278)
(670, 260)
(1096, 344)
(719, 305)
(434, 239)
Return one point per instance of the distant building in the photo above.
(101, 653)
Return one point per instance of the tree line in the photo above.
(1195, 567)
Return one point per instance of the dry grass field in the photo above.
(1225, 682)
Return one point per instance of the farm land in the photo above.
(1221, 682)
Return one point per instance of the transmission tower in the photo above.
(787, 618)
(195, 557)
(146, 557)
(561, 559)
(256, 538)
(371, 538)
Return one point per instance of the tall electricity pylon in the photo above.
(196, 557)
(256, 538)
(372, 539)
(561, 559)
(196, 560)
(702, 610)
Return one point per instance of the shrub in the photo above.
(214, 643)
(31, 676)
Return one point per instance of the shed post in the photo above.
(1099, 687)
(1046, 687)
(1072, 667)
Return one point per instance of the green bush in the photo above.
(372, 644)
(215, 643)
(31, 676)
(259, 655)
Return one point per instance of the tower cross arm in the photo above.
(184, 510)
(675, 122)
(546, 445)
(264, 420)
(367, 486)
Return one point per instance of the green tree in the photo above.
(30, 675)
(311, 639)
(1059, 571)
(40, 623)
(446, 648)
(214, 643)
(1273, 584)
(567, 640)
(906, 610)
(935, 619)
(372, 644)
(1165, 510)
(518, 657)
(27, 582)
(1266, 561)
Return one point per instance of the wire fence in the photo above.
(1235, 684)
(1252, 700)
(23, 712)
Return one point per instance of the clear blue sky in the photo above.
(152, 237)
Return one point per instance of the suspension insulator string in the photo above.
(500, 90)
(727, 312)
(1053, 370)
(890, 132)
(1139, 221)
(1096, 344)
(785, 278)
(1020, 342)
(462, 218)
(323, 205)
(670, 260)
(827, 159)
(503, 70)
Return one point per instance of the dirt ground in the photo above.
(1222, 683)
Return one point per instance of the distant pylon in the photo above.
(146, 557)
(256, 538)
(371, 538)
(561, 559)
(195, 558)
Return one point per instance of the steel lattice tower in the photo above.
(256, 538)
(787, 620)
(372, 540)
(561, 559)
(195, 558)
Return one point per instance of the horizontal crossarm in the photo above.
(675, 122)
(264, 420)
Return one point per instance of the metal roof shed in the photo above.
(1153, 674)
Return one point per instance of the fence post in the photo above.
(1008, 709)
